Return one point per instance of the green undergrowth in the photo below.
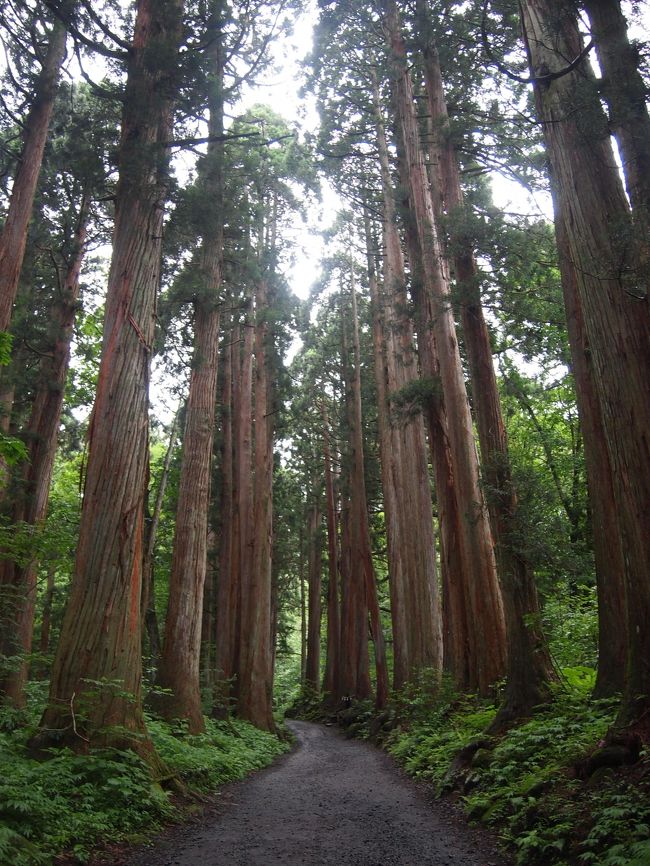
(72, 803)
(528, 785)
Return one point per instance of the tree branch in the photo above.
(527, 79)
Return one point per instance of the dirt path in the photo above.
(330, 802)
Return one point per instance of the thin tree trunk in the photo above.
(255, 695)
(13, 238)
(608, 550)
(355, 671)
(244, 488)
(361, 550)
(303, 610)
(95, 692)
(148, 604)
(592, 205)
(332, 678)
(227, 583)
(18, 584)
(46, 619)
(312, 668)
(388, 455)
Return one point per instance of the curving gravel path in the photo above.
(330, 802)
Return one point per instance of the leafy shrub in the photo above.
(525, 786)
(71, 802)
(228, 750)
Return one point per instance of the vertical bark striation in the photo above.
(362, 566)
(417, 624)
(95, 693)
(13, 237)
(613, 298)
(312, 667)
(256, 666)
(18, 583)
(608, 551)
(485, 606)
(180, 661)
(529, 666)
(332, 676)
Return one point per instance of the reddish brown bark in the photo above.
(256, 665)
(388, 456)
(226, 582)
(179, 663)
(95, 693)
(362, 564)
(148, 604)
(407, 455)
(180, 660)
(529, 667)
(625, 93)
(457, 651)
(608, 550)
(312, 666)
(332, 677)
(592, 204)
(206, 663)
(18, 584)
(485, 607)
(303, 610)
(355, 671)
(13, 237)
(242, 537)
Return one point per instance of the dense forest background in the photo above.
(397, 474)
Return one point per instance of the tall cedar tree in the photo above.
(180, 661)
(13, 238)
(529, 669)
(613, 293)
(95, 690)
(415, 608)
(362, 586)
(609, 560)
(18, 582)
(485, 607)
(256, 659)
(332, 675)
(314, 573)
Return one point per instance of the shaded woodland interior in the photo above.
(430, 467)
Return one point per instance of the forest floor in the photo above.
(330, 802)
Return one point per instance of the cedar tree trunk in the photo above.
(332, 676)
(256, 667)
(13, 237)
(614, 302)
(416, 540)
(18, 584)
(529, 668)
(608, 549)
(95, 691)
(312, 666)
(483, 593)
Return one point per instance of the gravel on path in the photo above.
(329, 802)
